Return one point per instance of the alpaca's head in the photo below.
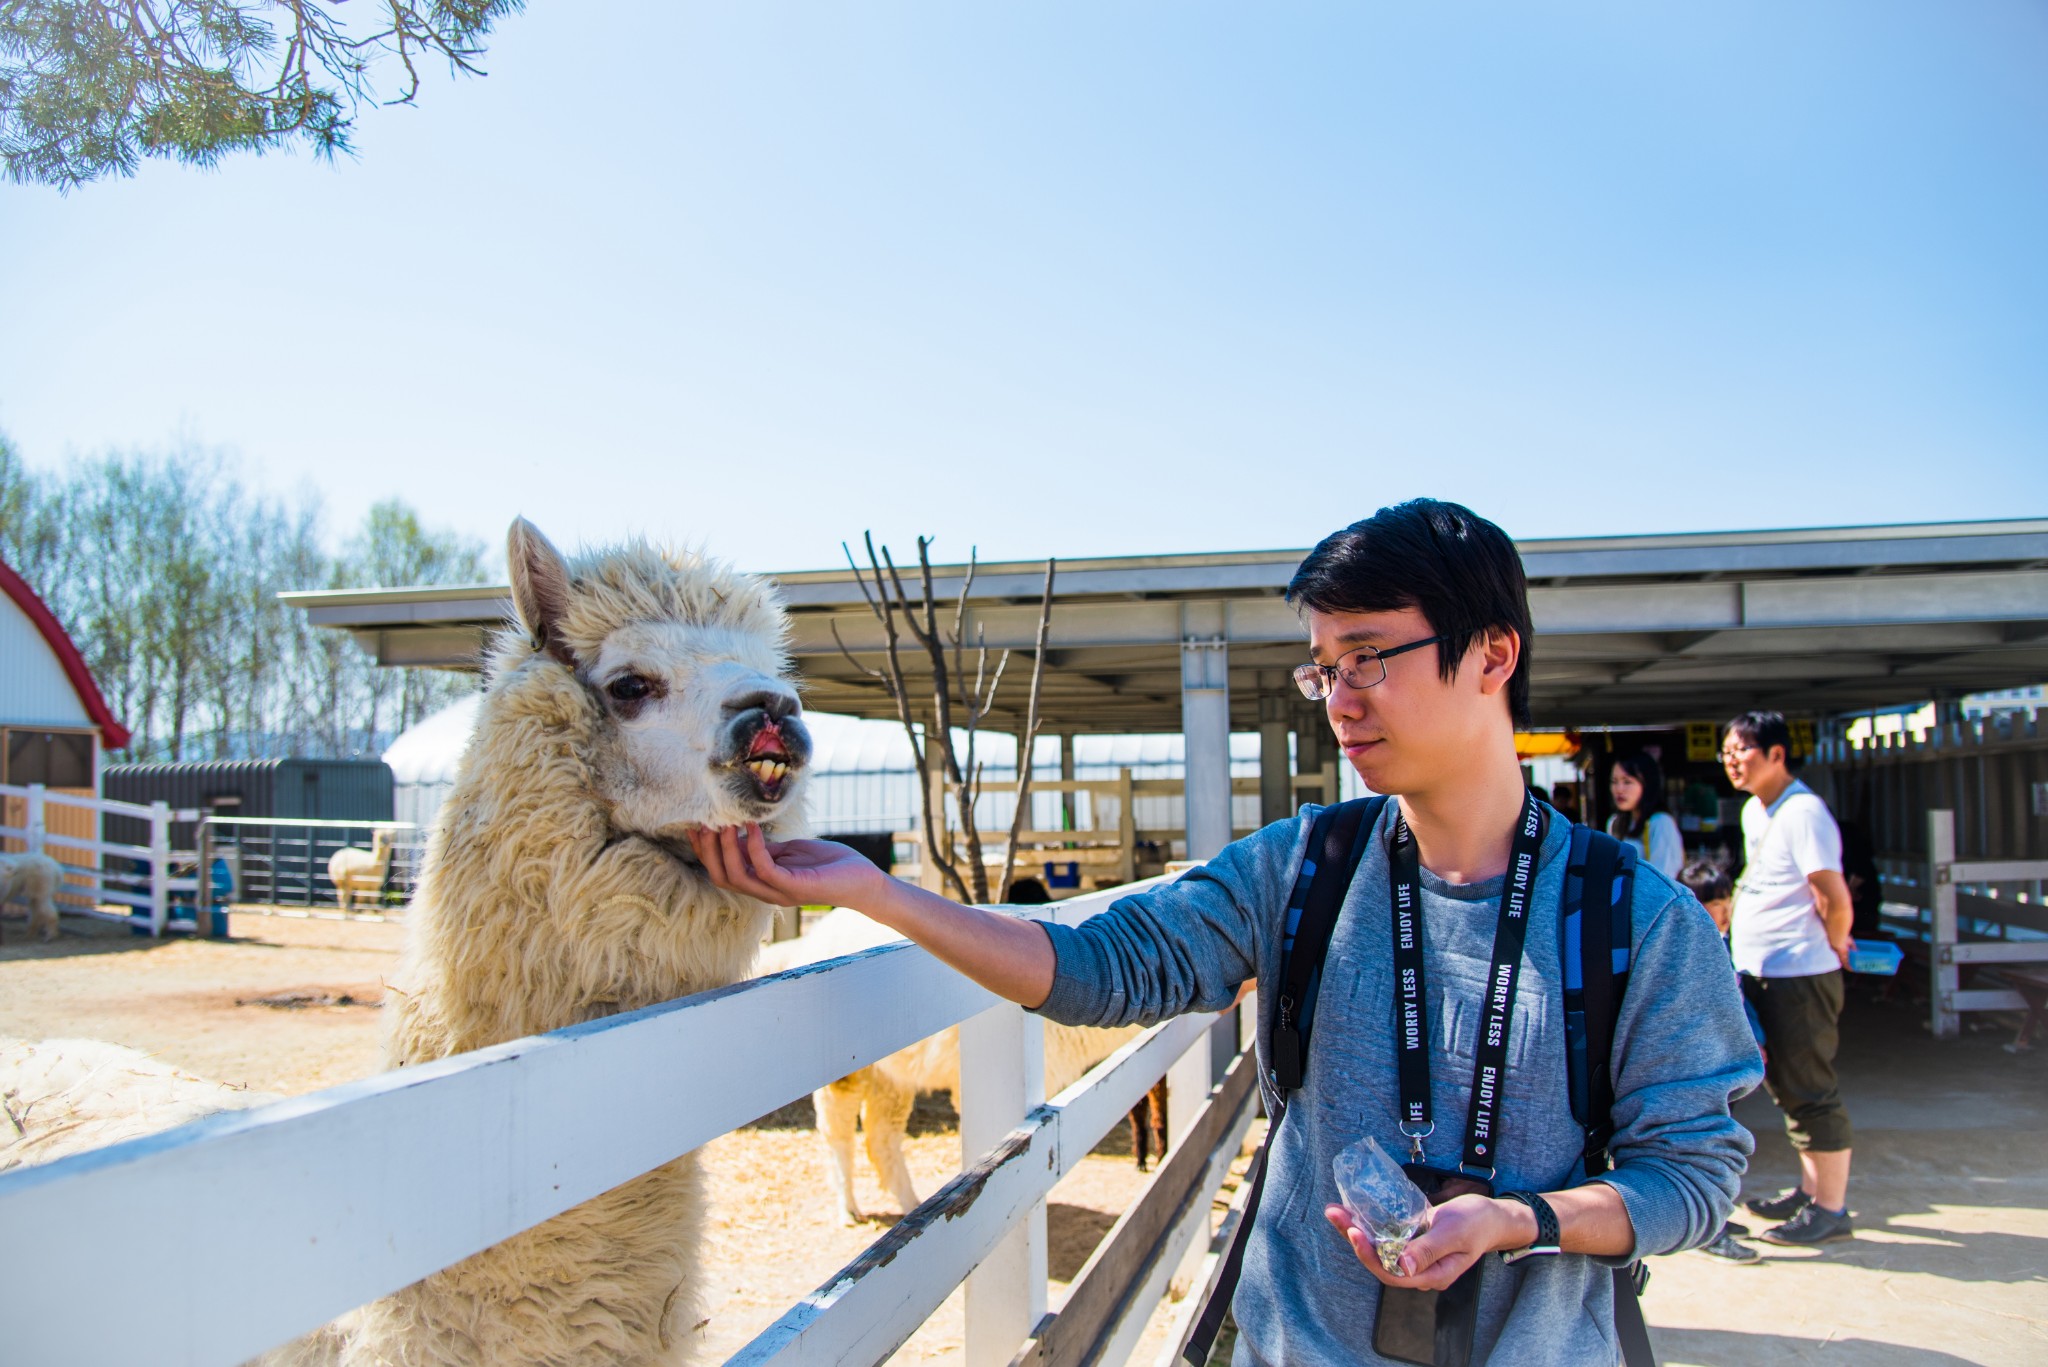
(380, 843)
(693, 718)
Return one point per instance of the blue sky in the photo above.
(1081, 279)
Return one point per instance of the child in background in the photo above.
(1709, 882)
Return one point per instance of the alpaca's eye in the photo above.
(630, 688)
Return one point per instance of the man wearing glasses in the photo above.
(1790, 937)
(1418, 627)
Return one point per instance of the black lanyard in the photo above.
(1490, 1056)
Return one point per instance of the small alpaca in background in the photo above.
(33, 880)
(878, 1099)
(359, 872)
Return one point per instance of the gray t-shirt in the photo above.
(1682, 1054)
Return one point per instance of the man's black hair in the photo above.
(1706, 880)
(1763, 730)
(1460, 570)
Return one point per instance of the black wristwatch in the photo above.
(1547, 1235)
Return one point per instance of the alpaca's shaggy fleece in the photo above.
(880, 1096)
(33, 881)
(547, 899)
(64, 1096)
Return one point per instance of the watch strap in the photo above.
(1548, 1235)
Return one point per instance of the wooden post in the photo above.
(1943, 975)
(1002, 1078)
(935, 795)
(36, 819)
(159, 866)
(1067, 776)
(1126, 829)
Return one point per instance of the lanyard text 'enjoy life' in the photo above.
(1489, 1070)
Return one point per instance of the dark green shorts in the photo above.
(1801, 1020)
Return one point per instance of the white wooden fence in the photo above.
(88, 887)
(1972, 915)
(317, 1210)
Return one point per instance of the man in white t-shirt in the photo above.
(1790, 938)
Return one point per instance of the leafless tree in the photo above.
(957, 702)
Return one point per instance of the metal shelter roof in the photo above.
(1629, 629)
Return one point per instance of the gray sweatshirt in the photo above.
(1682, 1054)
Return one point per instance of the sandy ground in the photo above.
(1950, 1198)
(1950, 1195)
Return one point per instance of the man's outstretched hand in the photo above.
(787, 873)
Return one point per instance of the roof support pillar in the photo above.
(1276, 782)
(1205, 722)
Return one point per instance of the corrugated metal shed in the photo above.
(338, 789)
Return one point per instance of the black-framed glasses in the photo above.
(1365, 667)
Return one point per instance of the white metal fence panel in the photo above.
(319, 1212)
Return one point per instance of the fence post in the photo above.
(1189, 1079)
(1126, 828)
(1943, 974)
(36, 818)
(159, 866)
(1002, 1078)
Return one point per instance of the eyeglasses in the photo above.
(1731, 753)
(1365, 667)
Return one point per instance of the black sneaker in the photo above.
(1783, 1206)
(1737, 1228)
(1727, 1250)
(1811, 1226)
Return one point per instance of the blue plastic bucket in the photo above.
(1881, 957)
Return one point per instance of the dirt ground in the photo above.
(1950, 1263)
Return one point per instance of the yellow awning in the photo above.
(1542, 744)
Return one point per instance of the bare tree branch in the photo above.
(1029, 743)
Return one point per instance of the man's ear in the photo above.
(1500, 650)
(540, 588)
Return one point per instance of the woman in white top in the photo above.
(1637, 787)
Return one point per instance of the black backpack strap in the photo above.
(1336, 843)
(1599, 889)
(1629, 1326)
(1596, 919)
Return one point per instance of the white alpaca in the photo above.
(880, 1096)
(637, 695)
(359, 872)
(33, 881)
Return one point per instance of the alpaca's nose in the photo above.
(780, 707)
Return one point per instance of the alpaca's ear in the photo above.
(540, 588)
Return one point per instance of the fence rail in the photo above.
(1969, 913)
(280, 862)
(274, 861)
(88, 887)
(319, 1211)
